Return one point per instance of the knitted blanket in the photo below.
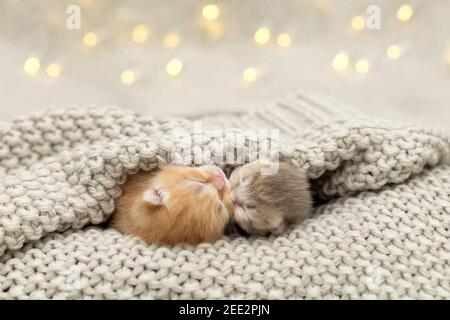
(383, 230)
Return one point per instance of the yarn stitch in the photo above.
(382, 233)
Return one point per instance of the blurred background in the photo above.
(387, 58)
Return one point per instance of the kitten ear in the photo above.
(153, 197)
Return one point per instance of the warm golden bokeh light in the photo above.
(211, 12)
(140, 33)
(393, 52)
(32, 65)
(90, 39)
(341, 62)
(362, 66)
(249, 74)
(127, 77)
(53, 70)
(174, 67)
(358, 23)
(284, 40)
(262, 35)
(171, 40)
(404, 13)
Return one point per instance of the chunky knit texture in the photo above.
(383, 232)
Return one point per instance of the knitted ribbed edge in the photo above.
(292, 115)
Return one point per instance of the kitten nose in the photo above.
(218, 182)
(218, 179)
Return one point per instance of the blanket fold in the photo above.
(383, 233)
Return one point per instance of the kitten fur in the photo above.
(175, 205)
(269, 203)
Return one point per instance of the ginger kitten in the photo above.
(175, 205)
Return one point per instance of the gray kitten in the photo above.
(269, 203)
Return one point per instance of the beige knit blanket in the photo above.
(383, 232)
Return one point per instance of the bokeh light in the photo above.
(362, 66)
(140, 33)
(90, 39)
(358, 23)
(284, 40)
(404, 13)
(393, 52)
(262, 35)
(174, 67)
(32, 65)
(171, 40)
(127, 77)
(53, 70)
(211, 12)
(249, 74)
(341, 62)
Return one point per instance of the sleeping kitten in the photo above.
(269, 203)
(175, 205)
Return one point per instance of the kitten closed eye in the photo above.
(249, 206)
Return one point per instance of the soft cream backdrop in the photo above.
(414, 88)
